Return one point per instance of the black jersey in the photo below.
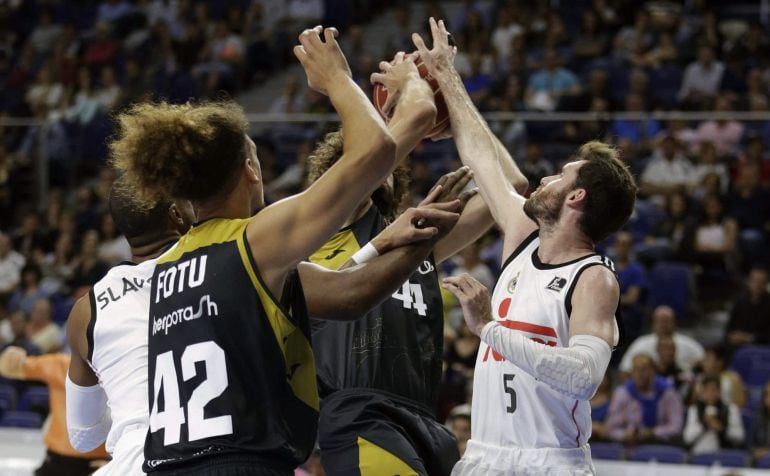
(397, 346)
(231, 370)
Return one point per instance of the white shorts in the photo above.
(487, 460)
(128, 454)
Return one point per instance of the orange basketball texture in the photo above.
(380, 94)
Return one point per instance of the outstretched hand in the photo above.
(323, 61)
(394, 75)
(425, 222)
(450, 187)
(474, 300)
(440, 58)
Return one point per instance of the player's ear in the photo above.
(577, 197)
(250, 171)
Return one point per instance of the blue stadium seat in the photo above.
(22, 420)
(7, 398)
(659, 453)
(671, 284)
(611, 451)
(763, 462)
(729, 458)
(752, 363)
(34, 398)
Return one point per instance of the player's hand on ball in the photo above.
(394, 75)
(323, 60)
(425, 222)
(474, 300)
(441, 57)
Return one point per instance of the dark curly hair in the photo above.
(329, 151)
(185, 151)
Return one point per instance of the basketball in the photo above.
(380, 95)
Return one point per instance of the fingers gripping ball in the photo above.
(380, 95)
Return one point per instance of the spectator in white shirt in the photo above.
(711, 424)
(11, 263)
(667, 171)
(688, 350)
(701, 78)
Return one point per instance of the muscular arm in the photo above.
(303, 222)
(88, 420)
(477, 145)
(348, 293)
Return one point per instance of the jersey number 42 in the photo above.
(172, 417)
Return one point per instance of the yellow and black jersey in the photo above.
(231, 370)
(397, 346)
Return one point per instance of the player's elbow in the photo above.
(85, 439)
(380, 153)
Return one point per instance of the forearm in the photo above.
(88, 420)
(349, 293)
(413, 118)
(575, 371)
(361, 124)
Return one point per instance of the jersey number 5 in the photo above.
(411, 296)
(172, 417)
(508, 386)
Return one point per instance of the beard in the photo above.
(544, 208)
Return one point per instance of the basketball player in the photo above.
(546, 350)
(232, 385)
(379, 374)
(107, 331)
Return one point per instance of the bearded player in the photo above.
(547, 345)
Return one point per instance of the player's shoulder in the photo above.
(598, 278)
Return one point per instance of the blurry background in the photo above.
(680, 87)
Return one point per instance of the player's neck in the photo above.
(560, 244)
(363, 207)
(232, 206)
(153, 249)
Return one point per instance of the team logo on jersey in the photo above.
(426, 267)
(334, 253)
(512, 283)
(557, 284)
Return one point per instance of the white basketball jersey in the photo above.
(118, 334)
(510, 407)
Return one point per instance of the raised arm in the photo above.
(88, 419)
(477, 145)
(290, 230)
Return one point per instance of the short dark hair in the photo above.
(185, 151)
(610, 190)
(328, 152)
(132, 220)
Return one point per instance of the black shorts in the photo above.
(365, 432)
(225, 465)
(55, 464)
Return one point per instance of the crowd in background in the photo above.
(695, 249)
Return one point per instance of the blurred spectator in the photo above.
(725, 134)
(57, 265)
(591, 40)
(11, 264)
(713, 242)
(113, 10)
(759, 437)
(707, 163)
(477, 83)
(664, 52)
(633, 38)
(600, 405)
(14, 332)
(29, 237)
(701, 78)
(46, 91)
(666, 366)
(468, 261)
(550, 83)
(109, 89)
(688, 350)
(711, 423)
(534, 166)
(29, 291)
(45, 34)
(113, 247)
(41, 330)
(754, 158)
(714, 366)
(61, 457)
(749, 205)
(750, 312)
(667, 171)
(640, 132)
(459, 422)
(103, 49)
(460, 354)
(88, 268)
(646, 409)
(223, 58)
(86, 105)
(505, 31)
(633, 283)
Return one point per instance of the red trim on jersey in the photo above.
(577, 438)
(531, 328)
(502, 310)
